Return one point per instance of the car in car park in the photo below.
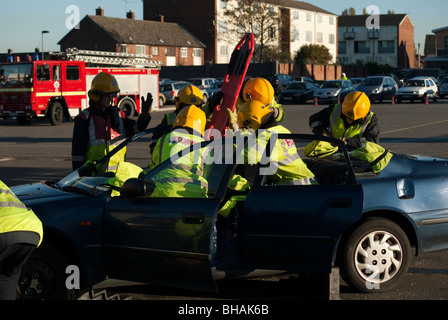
(378, 88)
(443, 88)
(355, 81)
(279, 81)
(170, 90)
(203, 83)
(303, 79)
(368, 224)
(216, 87)
(297, 92)
(418, 88)
(333, 91)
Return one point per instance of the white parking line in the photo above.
(413, 127)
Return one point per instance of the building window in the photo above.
(319, 37)
(184, 52)
(272, 32)
(319, 18)
(155, 51)
(331, 38)
(223, 4)
(124, 48)
(308, 16)
(222, 26)
(342, 47)
(170, 52)
(241, 28)
(331, 20)
(386, 46)
(362, 47)
(295, 15)
(197, 53)
(294, 35)
(139, 49)
(309, 36)
(223, 50)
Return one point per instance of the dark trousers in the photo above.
(12, 259)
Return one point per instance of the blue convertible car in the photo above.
(368, 224)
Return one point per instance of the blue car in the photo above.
(367, 224)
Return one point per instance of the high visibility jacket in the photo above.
(338, 129)
(285, 163)
(184, 178)
(18, 224)
(376, 155)
(104, 137)
(125, 171)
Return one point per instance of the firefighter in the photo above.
(343, 76)
(187, 96)
(101, 127)
(289, 168)
(353, 122)
(20, 233)
(186, 177)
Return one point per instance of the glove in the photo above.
(320, 131)
(216, 100)
(233, 119)
(146, 105)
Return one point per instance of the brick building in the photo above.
(169, 43)
(301, 23)
(392, 43)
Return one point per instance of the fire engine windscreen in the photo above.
(13, 74)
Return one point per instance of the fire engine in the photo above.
(56, 89)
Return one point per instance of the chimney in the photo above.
(162, 18)
(130, 15)
(100, 12)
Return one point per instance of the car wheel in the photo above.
(43, 276)
(376, 256)
(127, 105)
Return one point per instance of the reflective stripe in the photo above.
(6, 204)
(7, 192)
(93, 141)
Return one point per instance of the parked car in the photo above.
(279, 81)
(418, 88)
(297, 92)
(355, 81)
(332, 91)
(365, 223)
(378, 88)
(164, 80)
(214, 88)
(170, 90)
(203, 83)
(443, 88)
(304, 79)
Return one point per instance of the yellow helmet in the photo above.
(189, 95)
(103, 83)
(252, 114)
(191, 117)
(356, 105)
(259, 89)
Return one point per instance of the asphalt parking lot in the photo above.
(41, 151)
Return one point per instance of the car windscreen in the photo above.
(371, 82)
(297, 86)
(331, 84)
(415, 83)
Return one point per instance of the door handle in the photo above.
(339, 203)
(193, 218)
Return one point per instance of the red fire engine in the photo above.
(57, 89)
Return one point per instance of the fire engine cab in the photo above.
(57, 89)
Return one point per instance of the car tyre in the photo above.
(127, 105)
(43, 276)
(376, 256)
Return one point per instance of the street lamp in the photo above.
(43, 31)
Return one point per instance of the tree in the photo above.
(349, 12)
(313, 54)
(257, 17)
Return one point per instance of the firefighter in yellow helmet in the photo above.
(185, 178)
(102, 126)
(21, 232)
(352, 121)
(286, 165)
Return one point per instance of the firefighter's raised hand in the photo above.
(233, 119)
(147, 104)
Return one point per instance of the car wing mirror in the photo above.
(135, 187)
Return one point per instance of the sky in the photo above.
(22, 21)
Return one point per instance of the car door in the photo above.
(297, 228)
(165, 241)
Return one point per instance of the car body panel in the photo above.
(297, 92)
